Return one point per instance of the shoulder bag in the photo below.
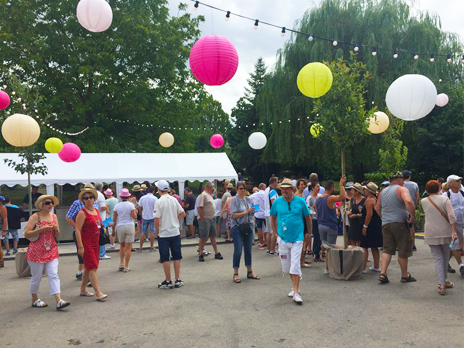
(34, 238)
(441, 211)
(104, 238)
(245, 228)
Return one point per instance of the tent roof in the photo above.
(124, 167)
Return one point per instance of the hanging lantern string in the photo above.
(45, 123)
(335, 42)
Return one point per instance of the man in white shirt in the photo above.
(456, 196)
(103, 209)
(168, 211)
(270, 194)
(258, 199)
(147, 208)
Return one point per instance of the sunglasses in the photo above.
(241, 188)
(289, 207)
(88, 197)
(49, 203)
(348, 189)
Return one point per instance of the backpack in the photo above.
(449, 193)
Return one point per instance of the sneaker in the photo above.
(206, 253)
(201, 258)
(414, 248)
(15, 251)
(7, 253)
(326, 271)
(89, 284)
(139, 250)
(218, 256)
(165, 285)
(152, 250)
(364, 271)
(111, 247)
(261, 246)
(297, 298)
(147, 240)
(461, 269)
(374, 269)
(274, 253)
(106, 257)
(79, 275)
(451, 270)
(291, 293)
(178, 283)
(268, 252)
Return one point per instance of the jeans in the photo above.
(316, 240)
(239, 243)
(102, 250)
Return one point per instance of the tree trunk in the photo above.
(345, 234)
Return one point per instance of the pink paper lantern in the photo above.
(4, 100)
(216, 141)
(442, 100)
(70, 152)
(213, 60)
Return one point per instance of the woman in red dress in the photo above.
(42, 253)
(88, 225)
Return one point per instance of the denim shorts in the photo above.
(218, 220)
(169, 244)
(260, 223)
(13, 233)
(148, 223)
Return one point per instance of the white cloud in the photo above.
(264, 42)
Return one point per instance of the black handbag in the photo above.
(104, 238)
(245, 228)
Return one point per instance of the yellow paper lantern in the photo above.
(166, 139)
(316, 129)
(53, 145)
(20, 130)
(378, 123)
(314, 80)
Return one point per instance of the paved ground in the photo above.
(212, 311)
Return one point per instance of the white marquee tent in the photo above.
(124, 167)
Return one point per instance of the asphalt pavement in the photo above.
(212, 311)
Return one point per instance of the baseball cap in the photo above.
(396, 175)
(162, 185)
(406, 172)
(386, 183)
(2, 198)
(452, 178)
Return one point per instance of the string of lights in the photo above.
(356, 47)
(15, 99)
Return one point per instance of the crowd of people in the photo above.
(291, 219)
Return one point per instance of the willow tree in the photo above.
(388, 25)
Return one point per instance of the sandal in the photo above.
(318, 260)
(308, 262)
(449, 285)
(87, 294)
(383, 279)
(408, 279)
(305, 265)
(62, 304)
(126, 269)
(102, 298)
(121, 267)
(39, 304)
(441, 289)
(236, 278)
(251, 275)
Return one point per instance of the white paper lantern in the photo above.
(20, 130)
(257, 140)
(378, 123)
(442, 100)
(94, 15)
(411, 97)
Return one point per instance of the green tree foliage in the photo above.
(135, 71)
(393, 155)
(386, 24)
(245, 116)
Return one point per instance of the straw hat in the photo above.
(358, 187)
(286, 183)
(38, 203)
(230, 186)
(143, 187)
(372, 188)
(88, 186)
(88, 190)
(136, 188)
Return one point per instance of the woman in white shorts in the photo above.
(124, 217)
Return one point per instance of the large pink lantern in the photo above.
(213, 60)
(216, 141)
(4, 100)
(70, 152)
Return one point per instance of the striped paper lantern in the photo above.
(94, 15)
(213, 60)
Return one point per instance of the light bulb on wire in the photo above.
(282, 32)
(335, 42)
(356, 48)
(195, 7)
(432, 58)
(227, 16)
(463, 59)
(374, 52)
(256, 24)
(395, 54)
(310, 38)
(448, 58)
(416, 56)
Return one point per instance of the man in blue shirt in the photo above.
(71, 219)
(287, 214)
